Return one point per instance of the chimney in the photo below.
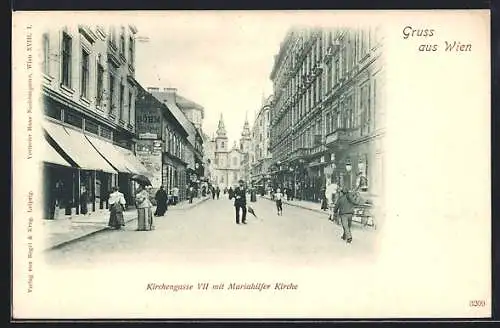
(171, 93)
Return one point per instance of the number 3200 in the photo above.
(477, 303)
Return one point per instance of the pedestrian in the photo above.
(84, 199)
(240, 202)
(161, 198)
(117, 204)
(175, 193)
(191, 194)
(230, 193)
(144, 213)
(217, 191)
(278, 196)
(344, 208)
(324, 199)
(213, 192)
(331, 194)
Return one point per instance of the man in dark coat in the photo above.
(240, 202)
(161, 201)
(345, 209)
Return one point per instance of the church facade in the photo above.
(229, 162)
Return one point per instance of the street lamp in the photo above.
(348, 168)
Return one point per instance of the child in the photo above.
(279, 205)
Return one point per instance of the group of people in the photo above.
(143, 204)
(215, 192)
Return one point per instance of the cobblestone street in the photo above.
(208, 234)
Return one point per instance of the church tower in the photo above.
(221, 140)
(246, 137)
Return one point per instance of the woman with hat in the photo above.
(144, 213)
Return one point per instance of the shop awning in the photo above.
(50, 155)
(77, 147)
(113, 155)
(133, 162)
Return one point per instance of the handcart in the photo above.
(363, 214)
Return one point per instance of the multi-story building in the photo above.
(328, 114)
(261, 156)
(162, 142)
(194, 147)
(88, 92)
(194, 112)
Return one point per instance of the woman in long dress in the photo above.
(144, 213)
(116, 207)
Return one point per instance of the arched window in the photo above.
(222, 144)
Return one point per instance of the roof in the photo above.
(187, 103)
(169, 99)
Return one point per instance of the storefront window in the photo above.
(73, 119)
(91, 127)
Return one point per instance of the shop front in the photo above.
(82, 186)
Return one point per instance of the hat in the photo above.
(241, 181)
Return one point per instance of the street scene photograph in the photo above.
(251, 164)
(213, 142)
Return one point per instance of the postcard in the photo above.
(251, 164)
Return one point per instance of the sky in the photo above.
(222, 62)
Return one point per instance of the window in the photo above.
(106, 133)
(222, 144)
(112, 36)
(130, 95)
(235, 160)
(131, 51)
(111, 94)
(73, 119)
(66, 60)
(91, 127)
(122, 95)
(84, 78)
(46, 54)
(336, 72)
(365, 109)
(100, 84)
(122, 42)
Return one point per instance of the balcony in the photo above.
(299, 153)
(339, 137)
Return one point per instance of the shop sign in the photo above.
(148, 135)
(148, 122)
(151, 159)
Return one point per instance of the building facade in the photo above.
(162, 144)
(194, 174)
(230, 162)
(260, 157)
(328, 116)
(88, 100)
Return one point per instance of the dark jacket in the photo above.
(346, 203)
(240, 196)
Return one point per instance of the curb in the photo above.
(106, 228)
(317, 211)
(79, 238)
(300, 206)
(190, 206)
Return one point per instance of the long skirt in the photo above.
(116, 218)
(144, 219)
(161, 208)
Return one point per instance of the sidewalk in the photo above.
(311, 206)
(69, 229)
